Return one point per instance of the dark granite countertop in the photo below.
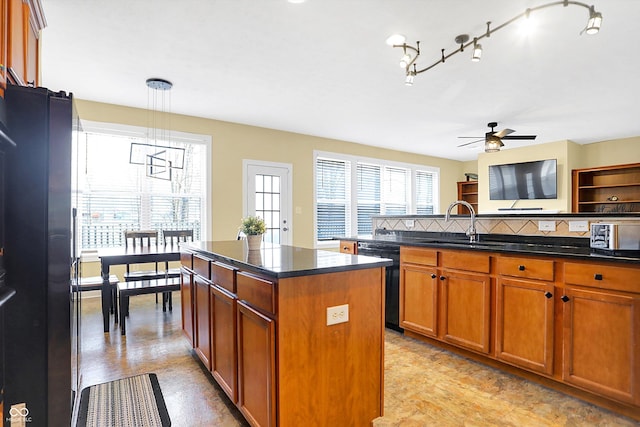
(281, 261)
(568, 247)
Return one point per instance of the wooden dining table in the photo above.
(129, 255)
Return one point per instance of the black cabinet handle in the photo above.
(433, 276)
(597, 276)
(521, 267)
(443, 278)
(548, 294)
(564, 298)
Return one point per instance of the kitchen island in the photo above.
(294, 336)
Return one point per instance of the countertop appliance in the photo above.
(615, 236)
(392, 281)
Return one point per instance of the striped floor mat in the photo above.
(129, 402)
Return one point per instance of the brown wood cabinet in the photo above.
(349, 247)
(419, 301)
(224, 347)
(602, 330)
(466, 299)
(525, 313)
(273, 353)
(468, 191)
(606, 189)
(574, 322)
(20, 28)
(256, 366)
(186, 301)
(202, 338)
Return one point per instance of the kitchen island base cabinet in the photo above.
(202, 342)
(256, 367)
(274, 349)
(224, 349)
(186, 301)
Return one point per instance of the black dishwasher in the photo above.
(392, 281)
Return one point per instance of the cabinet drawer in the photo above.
(602, 276)
(348, 247)
(526, 267)
(186, 259)
(202, 266)
(418, 255)
(256, 292)
(465, 260)
(224, 276)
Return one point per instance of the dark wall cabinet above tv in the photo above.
(607, 189)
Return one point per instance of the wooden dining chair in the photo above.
(141, 239)
(174, 237)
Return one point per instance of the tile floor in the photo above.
(424, 386)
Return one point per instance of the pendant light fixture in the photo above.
(157, 155)
(411, 53)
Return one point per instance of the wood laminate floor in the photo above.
(424, 386)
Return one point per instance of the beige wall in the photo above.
(231, 143)
(569, 155)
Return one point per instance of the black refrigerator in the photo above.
(37, 256)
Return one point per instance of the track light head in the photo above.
(477, 51)
(595, 20)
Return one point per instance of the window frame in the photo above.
(122, 130)
(352, 208)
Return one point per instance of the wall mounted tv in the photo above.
(526, 180)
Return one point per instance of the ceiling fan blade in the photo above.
(474, 137)
(504, 132)
(520, 137)
(472, 142)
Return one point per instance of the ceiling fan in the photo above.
(493, 140)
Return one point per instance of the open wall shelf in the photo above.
(609, 189)
(468, 191)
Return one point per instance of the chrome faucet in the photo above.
(471, 232)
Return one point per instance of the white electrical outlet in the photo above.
(578, 225)
(337, 314)
(546, 225)
(409, 223)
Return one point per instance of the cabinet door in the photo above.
(202, 320)
(224, 353)
(466, 310)
(256, 366)
(524, 324)
(419, 299)
(601, 342)
(186, 300)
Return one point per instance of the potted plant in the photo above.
(253, 227)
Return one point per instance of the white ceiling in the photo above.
(322, 67)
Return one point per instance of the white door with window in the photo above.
(267, 194)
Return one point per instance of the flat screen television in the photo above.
(526, 180)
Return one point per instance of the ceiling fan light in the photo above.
(396, 40)
(594, 23)
(492, 145)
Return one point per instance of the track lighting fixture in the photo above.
(411, 53)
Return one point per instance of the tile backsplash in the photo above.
(485, 224)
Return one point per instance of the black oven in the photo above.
(392, 282)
